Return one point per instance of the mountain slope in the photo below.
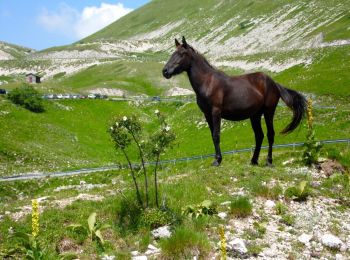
(233, 27)
(10, 51)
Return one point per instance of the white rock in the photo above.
(152, 250)
(331, 241)
(238, 245)
(339, 257)
(134, 253)
(108, 257)
(140, 257)
(304, 238)
(82, 182)
(222, 215)
(162, 232)
(270, 204)
(225, 203)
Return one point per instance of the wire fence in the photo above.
(174, 161)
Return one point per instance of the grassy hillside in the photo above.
(14, 51)
(246, 16)
(73, 134)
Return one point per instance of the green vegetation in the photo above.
(184, 243)
(27, 97)
(299, 192)
(241, 207)
(205, 208)
(74, 134)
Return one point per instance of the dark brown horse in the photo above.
(234, 98)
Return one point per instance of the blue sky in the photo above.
(42, 24)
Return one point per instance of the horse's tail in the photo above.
(296, 102)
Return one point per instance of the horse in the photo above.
(234, 98)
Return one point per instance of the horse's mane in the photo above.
(201, 56)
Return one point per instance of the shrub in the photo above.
(127, 131)
(27, 97)
(207, 207)
(241, 207)
(155, 218)
(184, 244)
(298, 193)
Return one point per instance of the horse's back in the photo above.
(247, 95)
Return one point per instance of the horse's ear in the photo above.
(184, 43)
(177, 44)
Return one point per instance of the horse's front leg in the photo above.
(216, 124)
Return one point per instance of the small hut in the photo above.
(32, 78)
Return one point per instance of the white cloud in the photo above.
(60, 21)
(95, 18)
(70, 22)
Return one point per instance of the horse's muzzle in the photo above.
(166, 73)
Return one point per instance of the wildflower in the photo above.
(222, 244)
(125, 118)
(309, 113)
(167, 128)
(35, 218)
(116, 124)
(156, 112)
(112, 128)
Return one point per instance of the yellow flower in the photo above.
(223, 243)
(310, 118)
(35, 218)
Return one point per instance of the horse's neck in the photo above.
(197, 74)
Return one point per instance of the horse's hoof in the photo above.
(268, 164)
(215, 163)
(254, 163)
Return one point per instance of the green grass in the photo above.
(141, 20)
(184, 243)
(241, 207)
(73, 134)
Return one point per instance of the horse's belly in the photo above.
(235, 116)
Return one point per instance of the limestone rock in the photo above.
(331, 241)
(238, 245)
(162, 232)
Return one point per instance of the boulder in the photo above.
(162, 232)
(331, 241)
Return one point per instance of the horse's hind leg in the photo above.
(270, 134)
(259, 136)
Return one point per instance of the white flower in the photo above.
(117, 124)
(125, 118)
(111, 128)
(156, 111)
(167, 128)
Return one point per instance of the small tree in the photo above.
(27, 97)
(158, 143)
(127, 130)
(312, 147)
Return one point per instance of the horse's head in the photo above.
(179, 61)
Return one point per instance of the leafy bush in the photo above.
(93, 229)
(155, 218)
(27, 97)
(207, 207)
(184, 244)
(298, 193)
(127, 131)
(241, 207)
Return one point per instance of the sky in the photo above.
(40, 24)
